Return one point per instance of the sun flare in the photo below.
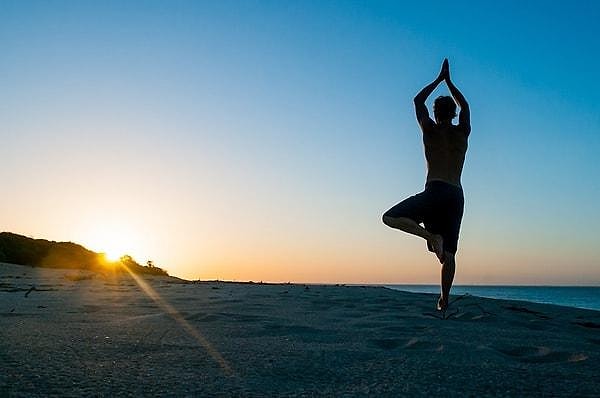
(113, 254)
(113, 240)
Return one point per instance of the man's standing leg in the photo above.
(448, 268)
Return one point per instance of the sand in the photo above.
(87, 334)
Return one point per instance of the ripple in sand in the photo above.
(540, 354)
(387, 344)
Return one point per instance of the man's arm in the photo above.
(464, 116)
(420, 108)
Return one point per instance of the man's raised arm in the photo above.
(420, 108)
(464, 117)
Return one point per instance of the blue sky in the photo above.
(263, 140)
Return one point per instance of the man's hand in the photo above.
(420, 108)
(445, 72)
(464, 117)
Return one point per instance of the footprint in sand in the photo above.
(202, 317)
(588, 325)
(387, 344)
(540, 354)
(412, 344)
(594, 341)
(369, 325)
(90, 308)
(420, 344)
(394, 328)
(237, 317)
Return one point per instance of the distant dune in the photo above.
(22, 250)
(77, 333)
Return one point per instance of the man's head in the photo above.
(444, 109)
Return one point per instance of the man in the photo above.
(440, 206)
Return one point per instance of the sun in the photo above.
(113, 255)
(114, 240)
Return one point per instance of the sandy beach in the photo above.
(73, 333)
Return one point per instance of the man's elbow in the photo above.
(418, 102)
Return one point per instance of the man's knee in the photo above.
(386, 219)
(395, 222)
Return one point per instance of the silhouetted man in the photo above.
(440, 206)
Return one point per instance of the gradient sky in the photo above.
(263, 140)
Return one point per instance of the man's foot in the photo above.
(442, 304)
(436, 244)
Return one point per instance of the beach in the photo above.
(73, 333)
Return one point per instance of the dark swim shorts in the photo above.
(439, 208)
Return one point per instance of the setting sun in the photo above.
(113, 255)
(113, 240)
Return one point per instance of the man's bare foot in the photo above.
(436, 242)
(442, 304)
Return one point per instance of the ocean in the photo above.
(587, 297)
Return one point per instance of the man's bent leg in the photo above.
(448, 268)
(412, 227)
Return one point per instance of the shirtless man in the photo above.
(440, 206)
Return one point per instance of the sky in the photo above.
(263, 140)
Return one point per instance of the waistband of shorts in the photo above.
(440, 183)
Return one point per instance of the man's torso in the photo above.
(445, 149)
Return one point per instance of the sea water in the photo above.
(571, 296)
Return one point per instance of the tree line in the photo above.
(19, 249)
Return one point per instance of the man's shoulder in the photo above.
(457, 128)
(465, 129)
(428, 126)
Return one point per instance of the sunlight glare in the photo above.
(113, 240)
(180, 319)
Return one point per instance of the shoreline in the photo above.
(418, 288)
(579, 297)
